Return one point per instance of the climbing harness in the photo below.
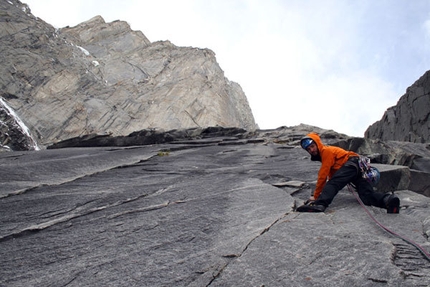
(413, 243)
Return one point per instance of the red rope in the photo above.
(413, 243)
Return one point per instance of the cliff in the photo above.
(105, 78)
(409, 119)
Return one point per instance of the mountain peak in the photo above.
(103, 78)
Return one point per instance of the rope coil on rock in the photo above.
(413, 243)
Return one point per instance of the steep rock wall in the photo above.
(409, 119)
(105, 78)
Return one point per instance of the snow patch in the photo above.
(26, 10)
(84, 51)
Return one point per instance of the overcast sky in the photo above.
(335, 64)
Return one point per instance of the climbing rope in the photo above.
(413, 243)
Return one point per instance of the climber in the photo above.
(340, 167)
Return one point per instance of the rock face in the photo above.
(105, 78)
(214, 208)
(408, 163)
(409, 119)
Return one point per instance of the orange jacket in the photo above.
(332, 158)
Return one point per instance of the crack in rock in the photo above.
(233, 257)
(78, 212)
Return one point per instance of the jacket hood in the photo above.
(316, 138)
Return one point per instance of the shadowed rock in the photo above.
(408, 120)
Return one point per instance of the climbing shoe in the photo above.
(392, 203)
(311, 207)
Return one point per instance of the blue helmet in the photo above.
(306, 142)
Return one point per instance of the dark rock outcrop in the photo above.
(197, 211)
(409, 119)
(148, 137)
(104, 78)
(13, 133)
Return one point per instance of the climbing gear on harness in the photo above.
(306, 142)
(311, 207)
(363, 163)
(369, 173)
(413, 243)
(372, 175)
